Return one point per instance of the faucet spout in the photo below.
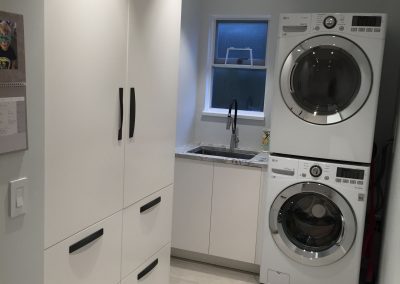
(233, 125)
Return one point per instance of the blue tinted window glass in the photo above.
(239, 35)
(247, 86)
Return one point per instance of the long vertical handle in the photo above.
(121, 113)
(132, 115)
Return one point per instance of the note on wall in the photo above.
(9, 115)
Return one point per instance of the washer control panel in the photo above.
(343, 175)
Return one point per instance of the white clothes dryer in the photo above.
(327, 79)
(315, 222)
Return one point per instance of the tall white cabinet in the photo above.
(108, 196)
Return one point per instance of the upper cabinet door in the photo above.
(86, 47)
(154, 40)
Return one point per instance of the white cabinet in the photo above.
(154, 34)
(147, 228)
(91, 256)
(154, 271)
(192, 205)
(236, 195)
(216, 208)
(111, 70)
(85, 66)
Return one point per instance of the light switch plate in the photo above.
(18, 190)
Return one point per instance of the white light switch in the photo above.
(18, 189)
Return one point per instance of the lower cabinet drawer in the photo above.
(146, 229)
(91, 256)
(156, 270)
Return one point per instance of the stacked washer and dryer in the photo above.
(323, 120)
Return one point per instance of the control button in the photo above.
(345, 181)
(341, 28)
(369, 30)
(361, 29)
(303, 175)
(352, 182)
(338, 180)
(326, 178)
(360, 182)
(377, 30)
(316, 171)
(317, 28)
(353, 29)
(330, 22)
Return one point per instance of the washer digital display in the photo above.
(367, 21)
(350, 173)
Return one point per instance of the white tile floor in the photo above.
(186, 272)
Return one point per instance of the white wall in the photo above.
(212, 129)
(21, 239)
(188, 71)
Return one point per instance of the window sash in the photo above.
(238, 66)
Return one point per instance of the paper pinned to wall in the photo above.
(9, 115)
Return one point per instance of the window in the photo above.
(238, 66)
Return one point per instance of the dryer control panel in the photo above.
(343, 175)
(361, 24)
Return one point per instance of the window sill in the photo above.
(216, 112)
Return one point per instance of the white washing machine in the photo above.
(315, 222)
(327, 79)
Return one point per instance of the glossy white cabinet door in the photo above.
(192, 205)
(154, 40)
(146, 229)
(235, 202)
(85, 65)
(96, 262)
(155, 270)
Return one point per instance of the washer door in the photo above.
(326, 79)
(312, 224)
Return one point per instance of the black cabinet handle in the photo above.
(147, 270)
(132, 115)
(121, 113)
(150, 205)
(86, 241)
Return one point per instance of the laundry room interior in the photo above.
(199, 141)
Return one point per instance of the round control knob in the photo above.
(316, 171)
(330, 22)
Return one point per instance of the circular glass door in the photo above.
(312, 224)
(326, 79)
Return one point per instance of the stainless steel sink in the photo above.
(223, 152)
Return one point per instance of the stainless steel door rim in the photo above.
(342, 244)
(338, 43)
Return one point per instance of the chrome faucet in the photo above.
(233, 125)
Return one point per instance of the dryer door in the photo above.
(312, 224)
(326, 79)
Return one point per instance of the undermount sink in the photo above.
(223, 152)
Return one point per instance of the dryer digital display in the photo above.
(350, 173)
(367, 21)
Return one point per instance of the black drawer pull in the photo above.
(132, 113)
(121, 113)
(147, 269)
(86, 241)
(150, 205)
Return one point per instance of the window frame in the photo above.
(220, 112)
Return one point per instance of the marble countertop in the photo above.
(259, 161)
